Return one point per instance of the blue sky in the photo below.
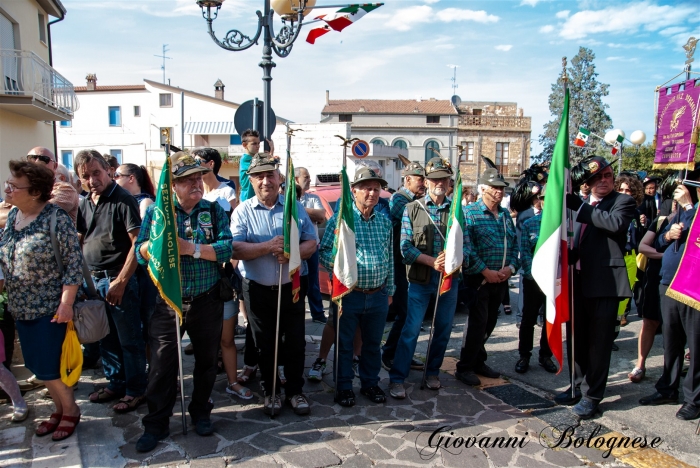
(505, 50)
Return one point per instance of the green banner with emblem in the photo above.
(164, 255)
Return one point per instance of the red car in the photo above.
(329, 195)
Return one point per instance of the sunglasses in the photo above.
(40, 157)
(118, 175)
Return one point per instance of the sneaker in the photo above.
(386, 362)
(267, 409)
(321, 319)
(356, 366)
(397, 390)
(300, 404)
(316, 372)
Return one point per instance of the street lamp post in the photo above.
(637, 138)
(292, 16)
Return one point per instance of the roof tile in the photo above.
(389, 106)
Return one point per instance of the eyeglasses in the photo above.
(12, 187)
(40, 157)
(188, 229)
(118, 175)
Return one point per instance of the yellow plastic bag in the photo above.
(71, 357)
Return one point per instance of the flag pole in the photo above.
(570, 235)
(339, 304)
(430, 337)
(166, 133)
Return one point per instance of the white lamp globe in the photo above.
(611, 135)
(638, 137)
(284, 7)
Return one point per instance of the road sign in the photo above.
(245, 116)
(360, 149)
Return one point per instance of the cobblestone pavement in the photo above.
(505, 422)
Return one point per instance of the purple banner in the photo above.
(684, 287)
(676, 122)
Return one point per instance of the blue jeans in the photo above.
(418, 299)
(369, 312)
(314, 291)
(123, 350)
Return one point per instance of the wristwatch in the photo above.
(512, 270)
(688, 206)
(196, 253)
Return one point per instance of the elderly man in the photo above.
(317, 214)
(257, 226)
(600, 281)
(63, 193)
(367, 304)
(108, 225)
(204, 243)
(413, 188)
(423, 231)
(493, 259)
(681, 321)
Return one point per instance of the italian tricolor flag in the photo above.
(617, 145)
(550, 262)
(454, 253)
(340, 20)
(344, 253)
(582, 137)
(291, 230)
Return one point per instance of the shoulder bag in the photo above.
(89, 315)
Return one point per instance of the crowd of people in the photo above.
(103, 220)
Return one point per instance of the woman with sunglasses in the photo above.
(27, 258)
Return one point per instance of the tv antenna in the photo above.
(162, 67)
(454, 78)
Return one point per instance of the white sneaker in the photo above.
(316, 371)
(300, 404)
(267, 409)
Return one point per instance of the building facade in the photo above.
(33, 95)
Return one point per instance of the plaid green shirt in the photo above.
(486, 234)
(410, 252)
(197, 276)
(375, 255)
(528, 242)
(398, 202)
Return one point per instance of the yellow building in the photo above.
(33, 96)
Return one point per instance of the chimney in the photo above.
(219, 90)
(328, 97)
(91, 81)
(520, 111)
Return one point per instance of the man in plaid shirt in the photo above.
(423, 230)
(493, 259)
(367, 304)
(204, 242)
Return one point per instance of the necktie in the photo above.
(583, 226)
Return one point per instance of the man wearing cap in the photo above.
(413, 188)
(108, 224)
(533, 298)
(423, 230)
(257, 226)
(681, 321)
(367, 304)
(493, 259)
(204, 243)
(600, 281)
(650, 206)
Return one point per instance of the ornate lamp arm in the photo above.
(234, 39)
(288, 34)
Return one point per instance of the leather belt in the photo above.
(274, 287)
(191, 299)
(368, 291)
(99, 274)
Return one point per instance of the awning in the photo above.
(210, 128)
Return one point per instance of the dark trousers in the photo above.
(480, 324)
(399, 304)
(681, 323)
(7, 328)
(314, 289)
(533, 299)
(594, 327)
(262, 317)
(203, 321)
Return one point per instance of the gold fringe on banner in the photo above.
(687, 300)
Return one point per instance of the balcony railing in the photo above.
(24, 73)
(497, 121)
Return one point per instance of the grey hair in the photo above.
(84, 157)
(297, 171)
(482, 188)
(62, 170)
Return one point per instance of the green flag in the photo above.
(164, 255)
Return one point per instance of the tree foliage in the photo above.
(586, 108)
(639, 158)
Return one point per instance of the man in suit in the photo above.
(650, 206)
(600, 281)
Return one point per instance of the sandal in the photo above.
(248, 373)
(637, 374)
(375, 394)
(48, 426)
(131, 404)
(103, 395)
(243, 392)
(345, 398)
(69, 430)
